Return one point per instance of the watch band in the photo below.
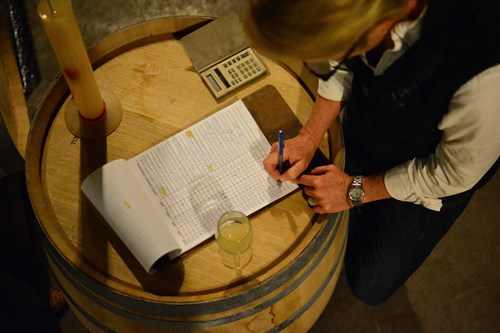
(357, 181)
(355, 193)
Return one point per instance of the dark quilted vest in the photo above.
(393, 118)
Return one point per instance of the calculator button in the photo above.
(245, 76)
(257, 68)
(254, 71)
(225, 65)
(238, 58)
(234, 61)
(244, 55)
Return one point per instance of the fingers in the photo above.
(307, 180)
(294, 171)
(311, 202)
(322, 169)
(292, 155)
(324, 189)
(313, 177)
(311, 191)
(272, 170)
(274, 147)
(310, 195)
(271, 167)
(271, 162)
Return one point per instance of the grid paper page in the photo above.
(208, 169)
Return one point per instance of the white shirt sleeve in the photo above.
(337, 88)
(470, 145)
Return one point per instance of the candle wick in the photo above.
(51, 8)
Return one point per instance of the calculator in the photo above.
(222, 56)
(234, 72)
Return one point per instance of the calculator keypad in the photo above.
(234, 72)
(244, 70)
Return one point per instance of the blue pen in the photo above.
(281, 145)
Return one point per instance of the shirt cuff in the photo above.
(398, 184)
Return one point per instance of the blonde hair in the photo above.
(314, 29)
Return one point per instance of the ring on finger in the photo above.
(311, 202)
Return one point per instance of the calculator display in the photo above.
(234, 72)
(213, 82)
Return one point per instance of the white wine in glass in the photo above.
(234, 236)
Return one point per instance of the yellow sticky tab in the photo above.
(127, 204)
(163, 191)
(210, 167)
(190, 134)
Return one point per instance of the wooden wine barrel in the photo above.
(297, 256)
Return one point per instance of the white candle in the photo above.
(66, 40)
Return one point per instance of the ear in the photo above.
(382, 28)
(376, 34)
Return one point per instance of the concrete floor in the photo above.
(456, 290)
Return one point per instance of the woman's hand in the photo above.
(327, 187)
(298, 151)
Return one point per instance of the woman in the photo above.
(418, 81)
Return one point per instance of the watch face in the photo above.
(356, 194)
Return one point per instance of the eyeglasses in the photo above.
(323, 70)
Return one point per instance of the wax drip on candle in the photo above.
(67, 42)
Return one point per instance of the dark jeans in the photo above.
(390, 239)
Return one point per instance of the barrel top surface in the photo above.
(161, 94)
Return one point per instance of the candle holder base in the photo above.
(94, 128)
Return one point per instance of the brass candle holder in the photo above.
(99, 127)
(91, 112)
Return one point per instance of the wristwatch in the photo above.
(355, 193)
